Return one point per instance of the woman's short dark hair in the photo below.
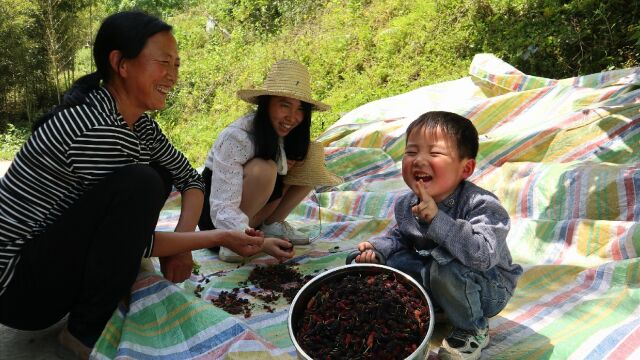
(127, 32)
(458, 127)
(296, 143)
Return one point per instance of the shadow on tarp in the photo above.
(516, 341)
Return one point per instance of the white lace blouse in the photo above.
(233, 148)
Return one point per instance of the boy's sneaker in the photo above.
(282, 230)
(464, 344)
(229, 256)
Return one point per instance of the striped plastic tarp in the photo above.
(562, 155)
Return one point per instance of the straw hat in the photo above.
(312, 171)
(287, 78)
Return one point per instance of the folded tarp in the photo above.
(562, 155)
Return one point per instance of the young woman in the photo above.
(82, 197)
(246, 165)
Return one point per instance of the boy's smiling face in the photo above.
(431, 157)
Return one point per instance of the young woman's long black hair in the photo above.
(127, 32)
(296, 143)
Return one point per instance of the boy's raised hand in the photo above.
(366, 255)
(427, 207)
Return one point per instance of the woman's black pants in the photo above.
(86, 262)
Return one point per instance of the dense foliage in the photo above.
(559, 39)
(37, 53)
(357, 51)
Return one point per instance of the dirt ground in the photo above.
(4, 165)
(29, 345)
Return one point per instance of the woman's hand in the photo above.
(291, 163)
(245, 243)
(177, 268)
(366, 253)
(278, 248)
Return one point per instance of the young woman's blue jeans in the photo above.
(468, 297)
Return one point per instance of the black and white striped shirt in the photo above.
(65, 157)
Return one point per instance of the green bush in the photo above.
(11, 140)
(559, 39)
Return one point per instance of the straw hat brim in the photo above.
(312, 171)
(251, 96)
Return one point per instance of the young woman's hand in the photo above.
(291, 163)
(278, 248)
(245, 243)
(253, 232)
(366, 253)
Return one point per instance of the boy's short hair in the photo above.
(458, 127)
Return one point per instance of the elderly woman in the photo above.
(81, 199)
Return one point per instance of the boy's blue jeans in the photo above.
(468, 297)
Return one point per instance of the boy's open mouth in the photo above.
(423, 177)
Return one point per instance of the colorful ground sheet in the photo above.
(562, 155)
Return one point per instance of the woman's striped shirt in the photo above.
(66, 156)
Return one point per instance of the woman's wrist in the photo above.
(264, 244)
(221, 237)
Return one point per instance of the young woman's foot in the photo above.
(282, 230)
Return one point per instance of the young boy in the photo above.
(450, 234)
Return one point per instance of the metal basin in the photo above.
(299, 303)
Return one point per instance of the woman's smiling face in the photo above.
(154, 71)
(285, 114)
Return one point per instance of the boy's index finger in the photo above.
(421, 190)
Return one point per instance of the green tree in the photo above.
(23, 78)
(62, 38)
(37, 55)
